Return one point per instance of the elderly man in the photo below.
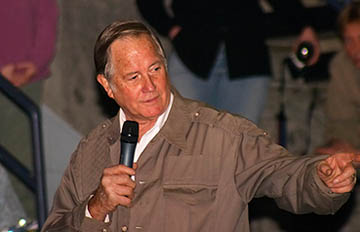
(196, 168)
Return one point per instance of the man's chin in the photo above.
(153, 113)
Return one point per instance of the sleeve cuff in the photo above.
(336, 200)
(88, 214)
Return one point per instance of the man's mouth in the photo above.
(151, 100)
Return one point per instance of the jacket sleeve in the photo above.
(292, 181)
(156, 14)
(69, 205)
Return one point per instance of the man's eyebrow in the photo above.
(131, 73)
(155, 63)
(158, 62)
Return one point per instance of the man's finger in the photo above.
(347, 175)
(356, 160)
(325, 169)
(346, 185)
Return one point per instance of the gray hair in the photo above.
(118, 30)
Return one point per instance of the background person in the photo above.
(342, 126)
(27, 45)
(220, 55)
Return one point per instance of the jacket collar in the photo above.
(113, 138)
(114, 129)
(178, 123)
(174, 129)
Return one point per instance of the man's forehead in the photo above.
(125, 46)
(131, 56)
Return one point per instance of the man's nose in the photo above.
(149, 84)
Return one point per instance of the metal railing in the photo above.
(36, 182)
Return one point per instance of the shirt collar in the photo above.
(159, 122)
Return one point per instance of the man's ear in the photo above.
(105, 84)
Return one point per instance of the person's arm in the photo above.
(115, 188)
(155, 13)
(70, 202)
(46, 17)
(20, 73)
(267, 169)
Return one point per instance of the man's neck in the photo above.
(147, 124)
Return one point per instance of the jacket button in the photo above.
(104, 230)
(197, 114)
(124, 228)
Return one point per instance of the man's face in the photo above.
(351, 36)
(139, 83)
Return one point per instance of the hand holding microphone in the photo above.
(116, 188)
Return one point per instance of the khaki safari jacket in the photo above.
(198, 174)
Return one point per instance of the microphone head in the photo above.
(130, 132)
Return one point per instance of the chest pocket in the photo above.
(189, 191)
(191, 170)
(190, 194)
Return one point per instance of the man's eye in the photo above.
(133, 77)
(157, 68)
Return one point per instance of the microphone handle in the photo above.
(127, 154)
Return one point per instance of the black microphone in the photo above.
(129, 138)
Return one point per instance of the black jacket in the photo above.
(241, 25)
